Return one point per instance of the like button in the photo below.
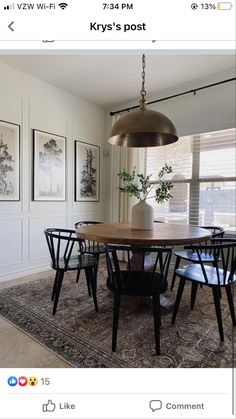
(49, 406)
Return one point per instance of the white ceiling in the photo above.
(109, 79)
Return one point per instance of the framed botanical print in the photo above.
(87, 171)
(9, 161)
(49, 167)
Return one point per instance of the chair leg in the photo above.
(88, 283)
(178, 298)
(55, 285)
(157, 321)
(193, 294)
(89, 288)
(77, 276)
(57, 292)
(116, 312)
(89, 273)
(214, 264)
(231, 304)
(216, 297)
(96, 270)
(177, 262)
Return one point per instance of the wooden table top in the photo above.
(162, 234)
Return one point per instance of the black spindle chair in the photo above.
(190, 256)
(221, 274)
(124, 278)
(91, 247)
(61, 244)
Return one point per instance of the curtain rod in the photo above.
(177, 95)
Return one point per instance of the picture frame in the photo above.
(87, 172)
(49, 166)
(9, 161)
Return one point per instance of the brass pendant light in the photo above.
(144, 127)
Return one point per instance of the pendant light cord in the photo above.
(143, 91)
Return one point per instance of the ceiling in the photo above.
(109, 79)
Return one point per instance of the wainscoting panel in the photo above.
(37, 243)
(11, 249)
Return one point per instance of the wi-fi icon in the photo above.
(62, 5)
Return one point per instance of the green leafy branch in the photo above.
(140, 186)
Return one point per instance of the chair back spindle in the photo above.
(117, 269)
(60, 244)
(224, 259)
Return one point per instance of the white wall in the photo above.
(32, 103)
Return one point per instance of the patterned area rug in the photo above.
(83, 337)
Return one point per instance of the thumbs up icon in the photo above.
(49, 406)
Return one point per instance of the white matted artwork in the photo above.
(49, 167)
(9, 161)
(87, 171)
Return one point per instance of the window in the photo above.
(204, 177)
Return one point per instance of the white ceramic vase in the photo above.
(142, 216)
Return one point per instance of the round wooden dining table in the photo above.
(161, 234)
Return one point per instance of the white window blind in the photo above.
(204, 177)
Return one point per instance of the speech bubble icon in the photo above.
(155, 405)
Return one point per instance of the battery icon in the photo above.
(225, 5)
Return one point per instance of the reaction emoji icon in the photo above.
(22, 381)
(12, 381)
(32, 381)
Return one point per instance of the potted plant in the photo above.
(141, 186)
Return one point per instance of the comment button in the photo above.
(155, 405)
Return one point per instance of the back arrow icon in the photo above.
(10, 26)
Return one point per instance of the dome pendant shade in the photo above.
(143, 128)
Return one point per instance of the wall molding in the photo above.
(23, 272)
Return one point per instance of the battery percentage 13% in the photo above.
(208, 6)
